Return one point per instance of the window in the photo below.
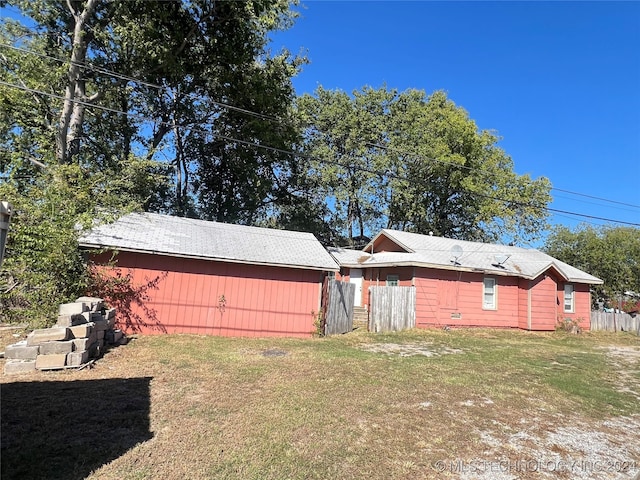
(568, 298)
(489, 294)
(392, 280)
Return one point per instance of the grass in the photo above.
(179, 406)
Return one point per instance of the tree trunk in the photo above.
(78, 57)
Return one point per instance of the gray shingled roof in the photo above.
(436, 252)
(186, 237)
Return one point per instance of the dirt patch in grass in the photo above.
(410, 349)
(205, 407)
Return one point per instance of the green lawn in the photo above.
(354, 406)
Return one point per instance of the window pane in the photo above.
(568, 298)
(489, 293)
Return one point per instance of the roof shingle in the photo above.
(186, 237)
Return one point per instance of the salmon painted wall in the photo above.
(446, 297)
(582, 305)
(524, 299)
(227, 299)
(373, 277)
(544, 302)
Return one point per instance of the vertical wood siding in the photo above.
(227, 299)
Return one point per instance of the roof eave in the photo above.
(211, 258)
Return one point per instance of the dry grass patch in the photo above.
(341, 407)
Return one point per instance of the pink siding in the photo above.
(582, 305)
(378, 277)
(258, 300)
(445, 297)
(455, 298)
(544, 303)
(524, 303)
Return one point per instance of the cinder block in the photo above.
(87, 316)
(81, 331)
(53, 348)
(71, 320)
(80, 344)
(94, 303)
(113, 336)
(101, 324)
(111, 313)
(21, 351)
(12, 367)
(53, 334)
(45, 362)
(111, 323)
(100, 334)
(72, 308)
(95, 350)
(75, 359)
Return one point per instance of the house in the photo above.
(195, 276)
(471, 284)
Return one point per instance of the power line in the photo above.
(261, 115)
(466, 167)
(310, 157)
(120, 76)
(269, 117)
(595, 198)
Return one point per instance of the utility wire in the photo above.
(120, 76)
(310, 157)
(265, 116)
(466, 167)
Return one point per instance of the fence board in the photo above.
(339, 305)
(615, 322)
(392, 308)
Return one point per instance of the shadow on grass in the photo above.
(66, 430)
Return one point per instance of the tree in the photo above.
(110, 106)
(340, 134)
(609, 253)
(416, 163)
(185, 77)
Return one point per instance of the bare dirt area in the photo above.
(415, 405)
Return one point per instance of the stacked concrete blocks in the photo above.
(83, 329)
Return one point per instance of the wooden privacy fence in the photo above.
(615, 322)
(338, 301)
(392, 308)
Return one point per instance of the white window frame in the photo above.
(569, 293)
(493, 291)
(393, 280)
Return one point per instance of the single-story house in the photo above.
(461, 283)
(195, 276)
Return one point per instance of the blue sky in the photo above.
(558, 81)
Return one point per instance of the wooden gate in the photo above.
(392, 308)
(338, 306)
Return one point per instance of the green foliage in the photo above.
(407, 161)
(43, 265)
(121, 143)
(609, 253)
